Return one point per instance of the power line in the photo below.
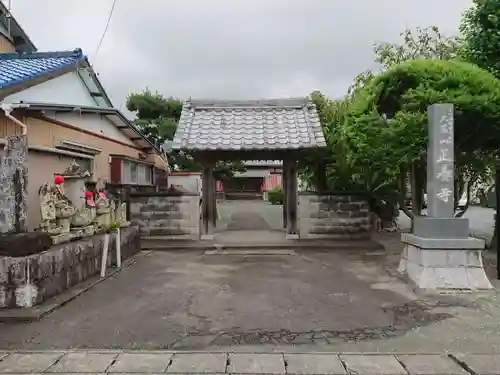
(105, 29)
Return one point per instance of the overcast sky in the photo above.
(229, 48)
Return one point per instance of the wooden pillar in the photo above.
(295, 205)
(214, 201)
(497, 218)
(208, 197)
(205, 183)
(284, 179)
(291, 197)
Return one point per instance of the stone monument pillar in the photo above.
(439, 254)
(13, 186)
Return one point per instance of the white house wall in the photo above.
(66, 89)
(92, 122)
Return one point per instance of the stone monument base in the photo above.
(443, 264)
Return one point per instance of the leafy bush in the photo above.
(275, 196)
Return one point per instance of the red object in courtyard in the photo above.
(89, 198)
(219, 186)
(58, 180)
(272, 181)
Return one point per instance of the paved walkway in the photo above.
(190, 300)
(71, 362)
(249, 215)
(308, 300)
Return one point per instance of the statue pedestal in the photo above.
(62, 238)
(443, 264)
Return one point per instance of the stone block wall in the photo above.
(333, 216)
(13, 189)
(28, 281)
(166, 214)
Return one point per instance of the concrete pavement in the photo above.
(191, 300)
(304, 301)
(156, 362)
(345, 301)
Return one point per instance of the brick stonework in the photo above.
(164, 214)
(28, 281)
(333, 216)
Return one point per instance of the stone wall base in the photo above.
(443, 264)
(167, 215)
(31, 280)
(333, 217)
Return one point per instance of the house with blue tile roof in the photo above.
(68, 116)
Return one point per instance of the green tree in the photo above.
(419, 44)
(157, 119)
(387, 123)
(375, 151)
(480, 28)
(322, 169)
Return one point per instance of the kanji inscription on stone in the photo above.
(440, 162)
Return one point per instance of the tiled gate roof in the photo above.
(279, 124)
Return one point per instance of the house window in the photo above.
(126, 178)
(142, 174)
(149, 175)
(133, 173)
(136, 173)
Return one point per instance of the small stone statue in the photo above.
(56, 211)
(48, 210)
(64, 207)
(103, 211)
(82, 221)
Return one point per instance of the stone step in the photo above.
(268, 251)
(158, 242)
(171, 243)
(345, 237)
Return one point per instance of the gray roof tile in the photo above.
(278, 124)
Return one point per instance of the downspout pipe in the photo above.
(8, 108)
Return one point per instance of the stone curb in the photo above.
(235, 351)
(225, 362)
(20, 315)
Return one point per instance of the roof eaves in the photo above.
(88, 109)
(101, 87)
(13, 56)
(137, 131)
(77, 52)
(92, 74)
